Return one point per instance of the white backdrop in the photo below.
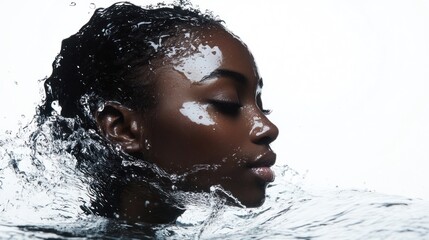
(348, 80)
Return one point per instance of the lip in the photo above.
(261, 166)
(266, 159)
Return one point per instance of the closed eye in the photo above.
(226, 107)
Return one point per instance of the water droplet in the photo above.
(72, 4)
(57, 61)
(100, 107)
(56, 108)
(84, 99)
(147, 144)
(92, 6)
(118, 147)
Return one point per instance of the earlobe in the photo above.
(120, 125)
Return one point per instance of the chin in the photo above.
(254, 203)
(251, 199)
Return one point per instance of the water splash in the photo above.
(38, 177)
(42, 194)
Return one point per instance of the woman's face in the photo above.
(208, 126)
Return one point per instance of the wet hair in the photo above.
(102, 61)
(105, 61)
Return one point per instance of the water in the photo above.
(42, 196)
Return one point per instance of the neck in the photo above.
(140, 202)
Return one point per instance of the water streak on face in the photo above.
(197, 113)
(202, 62)
(258, 126)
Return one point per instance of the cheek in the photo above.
(190, 135)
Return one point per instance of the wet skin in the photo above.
(208, 126)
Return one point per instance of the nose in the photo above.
(263, 131)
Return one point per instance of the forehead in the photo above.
(197, 51)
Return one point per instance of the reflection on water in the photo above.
(43, 196)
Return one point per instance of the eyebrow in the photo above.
(230, 74)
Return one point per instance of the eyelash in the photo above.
(233, 107)
(266, 111)
(227, 107)
(259, 103)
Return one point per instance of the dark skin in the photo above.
(208, 126)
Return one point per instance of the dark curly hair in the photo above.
(100, 63)
(103, 59)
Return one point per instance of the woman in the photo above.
(160, 100)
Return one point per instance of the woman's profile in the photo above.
(159, 100)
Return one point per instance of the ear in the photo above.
(121, 125)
